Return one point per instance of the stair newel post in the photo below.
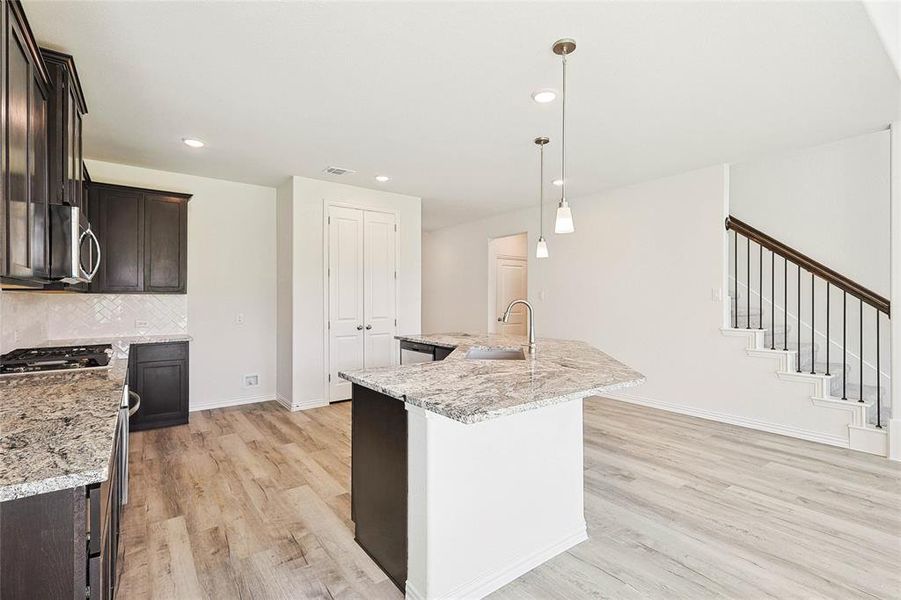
(878, 393)
(828, 339)
(844, 345)
(798, 353)
(813, 333)
(861, 351)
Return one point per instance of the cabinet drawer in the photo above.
(155, 352)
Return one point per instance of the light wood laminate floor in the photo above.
(254, 502)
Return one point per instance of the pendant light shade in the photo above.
(541, 249)
(564, 221)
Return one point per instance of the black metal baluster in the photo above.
(798, 353)
(861, 351)
(878, 394)
(844, 345)
(760, 282)
(813, 333)
(828, 339)
(735, 316)
(773, 298)
(784, 303)
(748, 278)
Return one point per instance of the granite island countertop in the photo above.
(470, 391)
(57, 430)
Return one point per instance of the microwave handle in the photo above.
(96, 265)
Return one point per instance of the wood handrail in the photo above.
(818, 269)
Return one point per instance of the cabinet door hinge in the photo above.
(329, 324)
(329, 272)
(329, 376)
(395, 274)
(395, 227)
(330, 220)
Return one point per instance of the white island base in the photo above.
(489, 501)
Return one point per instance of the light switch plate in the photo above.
(239, 318)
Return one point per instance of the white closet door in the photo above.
(346, 312)
(379, 289)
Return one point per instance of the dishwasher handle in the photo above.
(133, 408)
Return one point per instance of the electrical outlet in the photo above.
(16, 335)
(239, 318)
(716, 294)
(141, 324)
(251, 380)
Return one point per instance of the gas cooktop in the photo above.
(63, 358)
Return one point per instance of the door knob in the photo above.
(359, 327)
(368, 327)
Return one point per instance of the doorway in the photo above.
(508, 280)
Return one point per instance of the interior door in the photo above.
(345, 285)
(512, 284)
(379, 274)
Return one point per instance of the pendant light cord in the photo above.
(541, 192)
(563, 135)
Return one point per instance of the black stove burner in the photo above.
(29, 360)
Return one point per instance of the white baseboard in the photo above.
(491, 582)
(231, 402)
(283, 401)
(787, 430)
(308, 404)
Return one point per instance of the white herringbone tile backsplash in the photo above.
(31, 318)
(105, 315)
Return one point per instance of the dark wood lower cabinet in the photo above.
(63, 544)
(379, 480)
(158, 373)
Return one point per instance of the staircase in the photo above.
(821, 327)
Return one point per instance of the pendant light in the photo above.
(564, 222)
(541, 249)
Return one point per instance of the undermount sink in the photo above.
(495, 354)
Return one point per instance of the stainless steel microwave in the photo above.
(74, 249)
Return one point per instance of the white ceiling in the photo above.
(436, 95)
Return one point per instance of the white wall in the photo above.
(231, 270)
(284, 273)
(831, 202)
(637, 279)
(310, 196)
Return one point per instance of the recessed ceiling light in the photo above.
(382, 178)
(557, 182)
(192, 143)
(544, 96)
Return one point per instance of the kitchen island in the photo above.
(467, 473)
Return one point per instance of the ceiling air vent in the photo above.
(338, 171)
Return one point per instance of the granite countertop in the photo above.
(470, 391)
(57, 430)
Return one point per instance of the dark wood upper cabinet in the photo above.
(143, 237)
(165, 243)
(23, 159)
(67, 108)
(118, 220)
